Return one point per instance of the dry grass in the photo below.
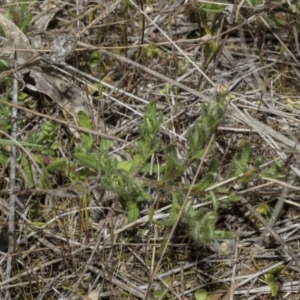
(127, 55)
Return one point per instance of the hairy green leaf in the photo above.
(87, 159)
(132, 210)
(174, 167)
(28, 171)
(175, 208)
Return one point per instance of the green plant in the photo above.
(201, 222)
(272, 278)
(17, 12)
(91, 159)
